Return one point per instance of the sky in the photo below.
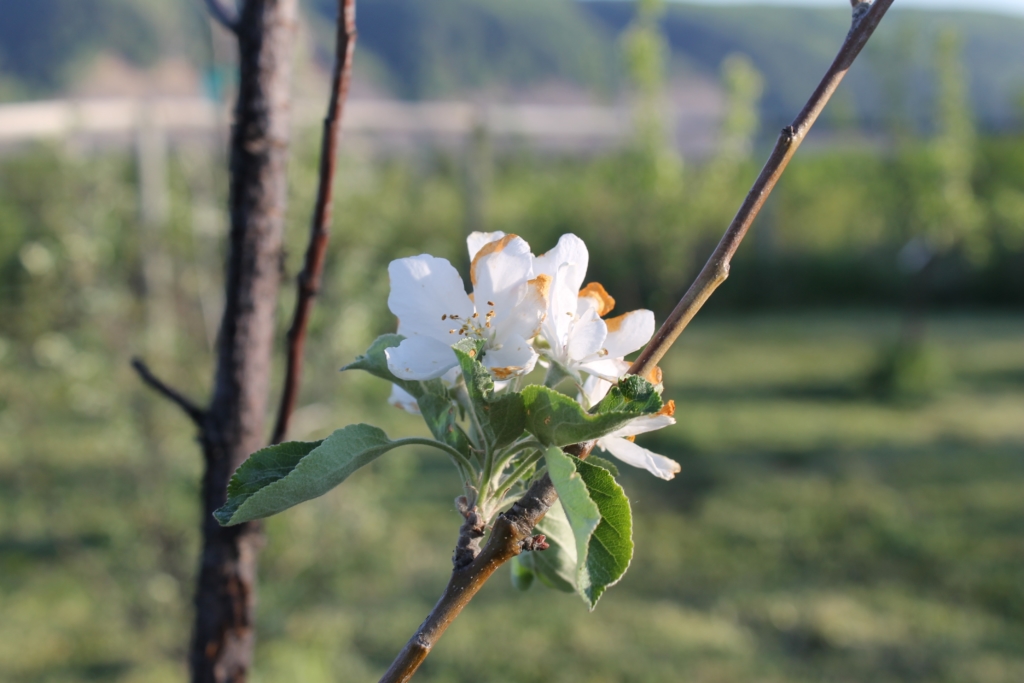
(1003, 6)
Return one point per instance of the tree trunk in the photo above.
(235, 423)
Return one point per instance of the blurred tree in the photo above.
(646, 53)
(952, 212)
(718, 179)
(233, 425)
(949, 217)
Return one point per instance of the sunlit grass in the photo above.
(815, 533)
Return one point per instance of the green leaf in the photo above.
(501, 418)
(556, 566)
(611, 547)
(522, 571)
(506, 419)
(263, 468)
(606, 464)
(600, 518)
(278, 477)
(557, 420)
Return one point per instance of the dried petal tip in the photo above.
(654, 375)
(668, 409)
(603, 301)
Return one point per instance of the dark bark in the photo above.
(235, 422)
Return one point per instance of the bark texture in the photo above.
(234, 425)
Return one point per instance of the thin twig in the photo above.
(197, 414)
(514, 527)
(226, 17)
(309, 279)
(716, 270)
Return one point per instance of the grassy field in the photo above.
(815, 533)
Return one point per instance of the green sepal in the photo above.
(601, 521)
(557, 420)
(278, 477)
(501, 418)
(375, 362)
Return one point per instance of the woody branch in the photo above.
(514, 527)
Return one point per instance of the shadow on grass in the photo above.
(49, 548)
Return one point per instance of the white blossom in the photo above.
(578, 338)
(434, 311)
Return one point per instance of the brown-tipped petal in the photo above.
(654, 375)
(542, 285)
(489, 248)
(596, 291)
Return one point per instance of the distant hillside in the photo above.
(793, 47)
(444, 47)
(45, 44)
(425, 49)
(439, 47)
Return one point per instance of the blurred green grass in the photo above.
(814, 533)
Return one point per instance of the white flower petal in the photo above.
(610, 369)
(641, 425)
(420, 358)
(570, 251)
(451, 377)
(586, 336)
(631, 454)
(515, 357)
(524, 320)
(500, 271)
(477, 240)
(628, 332)
(594, 389)
(425, 292)
(561, 311)
(400, 398)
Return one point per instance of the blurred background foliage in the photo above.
(850, 404)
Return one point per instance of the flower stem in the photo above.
(461, 461)
(517, 474)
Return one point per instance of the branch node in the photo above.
(534, 543)
(470, 533)
(197, 414)
(860, 10)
